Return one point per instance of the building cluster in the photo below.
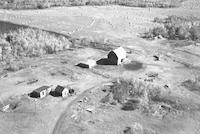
(43, 91)
(114, 57)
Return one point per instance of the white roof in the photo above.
(91, 63)
(120, 52)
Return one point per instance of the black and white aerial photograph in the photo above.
(99, 66)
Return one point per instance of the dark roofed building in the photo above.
(61, 91)
(40, 92)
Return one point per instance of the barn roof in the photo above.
(119, 52)
(59, 88)
(40, 89)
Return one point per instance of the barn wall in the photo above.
(112, 58)
(41, 94)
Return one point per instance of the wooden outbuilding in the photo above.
(41, 92)
(61, 91)
(87, 64)
(116, 57)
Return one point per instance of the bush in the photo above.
(130, 105)
(128, 130)
(159, 31)
(195, 33)
(183, 33)
(129, 93)
(77, 3)
(15, 66)
(171, 30)
(158, 20)
(137, 128)
(155, 32)
(40, 4)
(43, 5)
(192, 85)
(150, 99)
(176, 28)
(30, 43)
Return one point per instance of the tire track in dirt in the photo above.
(59, 124)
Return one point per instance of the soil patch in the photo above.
(133, 66)
(192, 86)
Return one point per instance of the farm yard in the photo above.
(152, 88)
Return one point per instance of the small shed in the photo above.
(41, 92)
(116, 57)
(87, 64)
(61, 91)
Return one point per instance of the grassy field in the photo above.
(40, 4)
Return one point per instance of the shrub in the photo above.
(92, 2)
(40, 4)
(123, 90)
(130, 105)
(171, 30)
(159, 31)
(137, 128)
(120, 90)
(195, 33)
(128, 130)
(29, 43)
(6, 52)
(158, 20)
(43, 5)
(77, 3)
(156, 32)
(132, 95)
(183, 33)
(173, 19)
(176, 28)
(15, 66)
(192, 85)
(106, 99)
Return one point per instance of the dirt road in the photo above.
(58, 129)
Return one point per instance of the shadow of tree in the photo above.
(6, 27)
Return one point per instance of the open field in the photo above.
(155, 92)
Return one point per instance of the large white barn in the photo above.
(116, 57)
